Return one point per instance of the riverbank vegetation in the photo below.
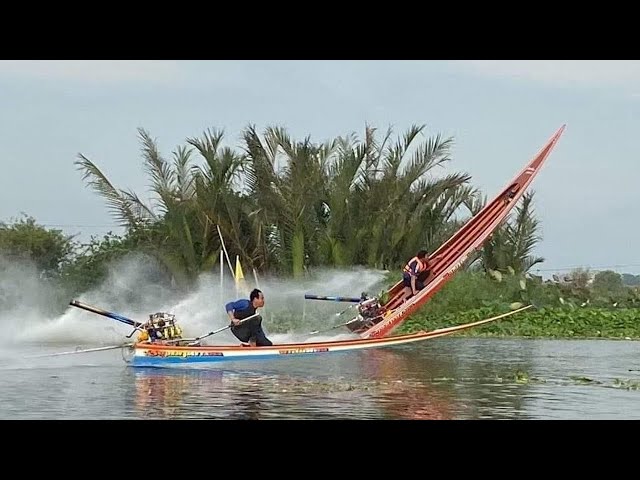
(288, 207)
(603, 308)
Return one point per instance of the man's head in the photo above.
(256, 297)
(421, 254)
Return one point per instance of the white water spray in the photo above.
(27, 316)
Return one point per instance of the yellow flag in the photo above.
(241, 285)
(239, 275)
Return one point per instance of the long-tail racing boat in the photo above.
(178, 350)
(160, 340)
(377, 319)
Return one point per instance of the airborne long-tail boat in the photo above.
(377, 319)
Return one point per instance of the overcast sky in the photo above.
(499, 112)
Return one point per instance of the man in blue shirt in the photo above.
(249, 331)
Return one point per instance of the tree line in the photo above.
(285, 206)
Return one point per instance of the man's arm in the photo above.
(413, 267)
(231, 308)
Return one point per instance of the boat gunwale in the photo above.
(422, 334)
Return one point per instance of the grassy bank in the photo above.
(537, 323)
(561, 310)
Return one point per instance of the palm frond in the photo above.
(117, 202)
(434, 152)
(530, 261)
(140, 210)
(184, 178)
(223, 164)
(209, 144)
(162, 175)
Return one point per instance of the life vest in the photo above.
(171, 331)
(422, 266)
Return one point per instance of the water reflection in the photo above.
(403, 386)
(372, 384)
(492, 378)
(162, 392)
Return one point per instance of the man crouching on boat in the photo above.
(416, 272)
(250, 330)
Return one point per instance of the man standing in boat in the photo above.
(250, 331)
(416, 272)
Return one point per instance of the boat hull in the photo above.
(158, 355)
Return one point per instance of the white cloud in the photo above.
(624, 74)
(93, 71)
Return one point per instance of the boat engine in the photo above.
(370, 312)
(161, 326)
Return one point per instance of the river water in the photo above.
(450, 378)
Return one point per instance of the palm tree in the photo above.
(288, 197)
(177, 230)
(286, 205)
(217, 202)
(383, 199)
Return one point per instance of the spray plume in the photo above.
(28, 314)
